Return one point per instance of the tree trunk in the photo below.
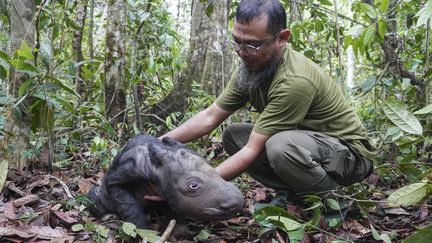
(18, 122)
(115, 83)
(350, 58)
(4, 26)
(206, 64)
(210, 38)
(91, 29)
(295, 11)
(81, 11)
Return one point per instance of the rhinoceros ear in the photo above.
(172, 143)
(158, 154)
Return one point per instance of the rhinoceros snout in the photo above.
(234, 200)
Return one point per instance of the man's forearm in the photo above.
(199, 125)
(240, 161)
(191, 129)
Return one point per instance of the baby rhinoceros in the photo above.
(148, 166)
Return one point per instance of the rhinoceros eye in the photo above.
(193, 185)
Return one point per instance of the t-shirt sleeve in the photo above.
(288, 104)
(231, 98)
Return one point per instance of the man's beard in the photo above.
(248, 81)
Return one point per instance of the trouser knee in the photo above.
(292, 156)
(235, 137)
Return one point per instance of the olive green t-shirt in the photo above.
(300, 96)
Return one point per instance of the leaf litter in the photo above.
(35, 206)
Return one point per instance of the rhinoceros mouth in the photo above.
(218, 214)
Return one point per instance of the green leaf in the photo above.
(66, 104)
(382, 28)
(24, 87)
(23, 66)
(64, 86)
(201, 236)
(3, 72)
(369, 10)
(129, 229)
(408, 195)
(77, 227)
(4, 56)
(369, 35)
(271, 210)
(402, 118)
(102, 231)
(424, 110)
(367, 85)
(150, 235)
(287, 223)
(407, 140)
(333, 204)
(25, 51)
(355, 31)
(296, 235)
(424, 14)
(4, 167)
(384, 237)
(325, 2)
(384, 5)
(423, 235)
(97, 140)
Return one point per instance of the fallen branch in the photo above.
(167, 232)
(11, 186)
(63, 185)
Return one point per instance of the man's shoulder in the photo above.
(295, 64)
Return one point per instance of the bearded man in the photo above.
(306, 138)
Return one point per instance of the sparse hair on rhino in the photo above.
(190, 186)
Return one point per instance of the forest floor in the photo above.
(37, 206)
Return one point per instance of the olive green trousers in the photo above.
(300, 161)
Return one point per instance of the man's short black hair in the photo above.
(250, 9)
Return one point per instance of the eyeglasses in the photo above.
(250, 49)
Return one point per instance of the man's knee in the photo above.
(235, 137)
(280, 145)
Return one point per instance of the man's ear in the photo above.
(285, 35)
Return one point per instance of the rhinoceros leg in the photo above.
(126, 206)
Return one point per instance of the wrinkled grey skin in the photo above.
(190, 186)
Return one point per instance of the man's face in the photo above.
(255, 33)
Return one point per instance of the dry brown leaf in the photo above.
(56, 207)
(424, 211)
(85, 185)
(29, 199)
(396, 211)
(12, 231)
(260, 195)
(9, 211)
(46, 232)
(66, 216)
(38, 183)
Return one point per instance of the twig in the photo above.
(155, 116)
(426, 67)
(333, 192)
(11, 186)
(167, 232)
(63, 185)
(329, 11)
(339, 51)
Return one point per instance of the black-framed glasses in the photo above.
(250, 49)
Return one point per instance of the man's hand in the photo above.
(239, 162)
